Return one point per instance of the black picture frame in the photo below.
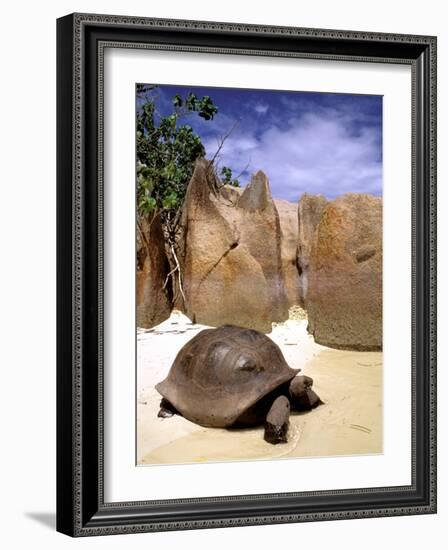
(81, 510)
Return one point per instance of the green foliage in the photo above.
(167, 151)
(226, 176)
(204, 107)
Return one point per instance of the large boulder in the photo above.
(287, 215)
(232, 268)
(309, 213)
(344, 299)
(259, 224)
(287, 212)
(153, 301)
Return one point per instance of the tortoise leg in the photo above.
(277, 421)
(303, 398)
(166, 409)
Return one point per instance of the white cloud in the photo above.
(261, 108)
(315, 153)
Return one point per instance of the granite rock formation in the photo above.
(344, 298)
(153, 301)
(232, 265)
(247, 258)
(309, 213)
(287, 212)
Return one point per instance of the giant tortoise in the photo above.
(235, 377)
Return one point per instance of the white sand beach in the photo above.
(348, 382)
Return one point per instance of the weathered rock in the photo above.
(232, 262)
(260, 230)
(153, 301)
(344, 299)
(309, 213)
(287, 212)
(257, 195)
(231, 194)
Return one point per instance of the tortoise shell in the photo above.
(222, 372)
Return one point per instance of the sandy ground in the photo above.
(349, 383)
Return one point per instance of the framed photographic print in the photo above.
(246, 274)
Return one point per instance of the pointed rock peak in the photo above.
(201, 182)
(203, 171)
(257, 194)
(310, 199)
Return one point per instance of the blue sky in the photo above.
(304, 141)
